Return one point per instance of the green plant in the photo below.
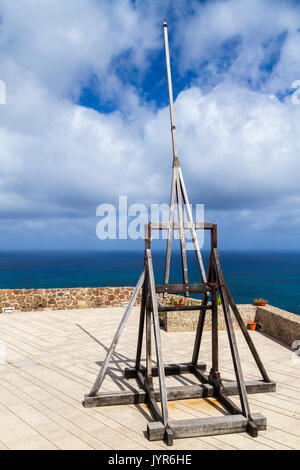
(219, 300)
(260, 300)
(171, 301)
(161, 318)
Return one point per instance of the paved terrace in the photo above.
(51, 363)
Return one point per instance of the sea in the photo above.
(274, 276)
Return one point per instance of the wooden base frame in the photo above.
(239, 419)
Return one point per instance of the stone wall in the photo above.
(187, 321)
(61, 299)
(280, 324)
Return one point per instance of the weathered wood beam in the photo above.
(182, 308)
(170, 369)
(105, 364)
(176, 226)
(205, 426)
(231, 337)
(252, 386)
(159, 356)
(196, 288)
(185, 392)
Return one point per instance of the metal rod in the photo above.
(173, 129)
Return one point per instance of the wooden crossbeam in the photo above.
(186, 225)
(182, 308)
(185, 392)
(195, 288)
(206, 426)
(170, 369)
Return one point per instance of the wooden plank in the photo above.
(232, 339)
(148, 344)
(214, 333)
(185, 392)
(161, 370)
(201, 319)
(102, 372)
(182, 308)
(195, 288)
(186, 225)
(140, 396)
(170, 369)
(247, 336)
(141, 325)
(124, 397)
(252, 386)
(199, 331)
(205, 426)
(228, 404)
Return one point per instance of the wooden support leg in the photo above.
(199, 330)
(116, 338)
(202, 315)
(161, 369)
(233, 345)
(247, 336)
(149, 378)
(141, 327)
(214, 373)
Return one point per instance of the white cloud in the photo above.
(256, 26)
(239, 148)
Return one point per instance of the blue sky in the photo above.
(86, 118)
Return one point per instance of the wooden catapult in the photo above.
(212, 285)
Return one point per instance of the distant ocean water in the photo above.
(272, 275)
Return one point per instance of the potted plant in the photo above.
(176, 301)
(171, 301)
(252, 325)
(260, 302)
(179, 302)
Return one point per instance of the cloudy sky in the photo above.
(86, 116)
